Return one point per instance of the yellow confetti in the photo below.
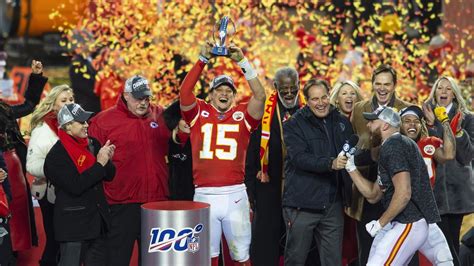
(135, 38)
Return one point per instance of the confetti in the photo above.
(161, 40)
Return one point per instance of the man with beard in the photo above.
(384, 80)
(434, 150)
(264, 168)
(403, 188)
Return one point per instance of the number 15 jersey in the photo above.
(219, 143)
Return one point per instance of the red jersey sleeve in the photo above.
(437, 142)
(251, 122)
(190, 115)
(186, 94)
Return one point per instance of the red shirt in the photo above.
(428, 147)
(219, 143)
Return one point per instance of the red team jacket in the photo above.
(141, 146)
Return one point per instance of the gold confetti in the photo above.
(145, 37)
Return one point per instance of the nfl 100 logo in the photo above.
(166, 239)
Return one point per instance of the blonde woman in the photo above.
(44, 126)
(344, 96)
(454, 184)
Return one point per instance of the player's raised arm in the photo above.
(186, 95)
(257, 101)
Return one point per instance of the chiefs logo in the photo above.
(237, 116)
(81, 159)
(429, 149)
(205, 113)
(153, 124)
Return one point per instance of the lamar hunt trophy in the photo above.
(221, 43)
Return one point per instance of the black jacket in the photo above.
(6, 183)
(454, 186)
(309, 179)
(180, 166)
(81, 210)
(10, 114)
(275, 157)
(8, 123)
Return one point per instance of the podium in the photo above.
(175, 233)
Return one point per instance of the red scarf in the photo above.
(51, 119)
(270, 106)
(78, 151)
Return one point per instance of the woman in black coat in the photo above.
(13, 147)
(76, 165)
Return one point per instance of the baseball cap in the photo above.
(412, 110)
(72, 112)
(138, 87)
(384, 113)
(223, 80)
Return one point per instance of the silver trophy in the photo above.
(223, 33)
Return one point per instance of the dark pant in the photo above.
(6, 250)
(267, 226)
(364, 239)
(89, 252)
(123, 232)
(325, 227)
(51, 249)
(451, 226)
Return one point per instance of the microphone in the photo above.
(349, 148)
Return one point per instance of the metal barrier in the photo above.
(175, 233)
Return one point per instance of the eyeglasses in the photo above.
(291, 92)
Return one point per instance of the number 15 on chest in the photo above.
(228, 144)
